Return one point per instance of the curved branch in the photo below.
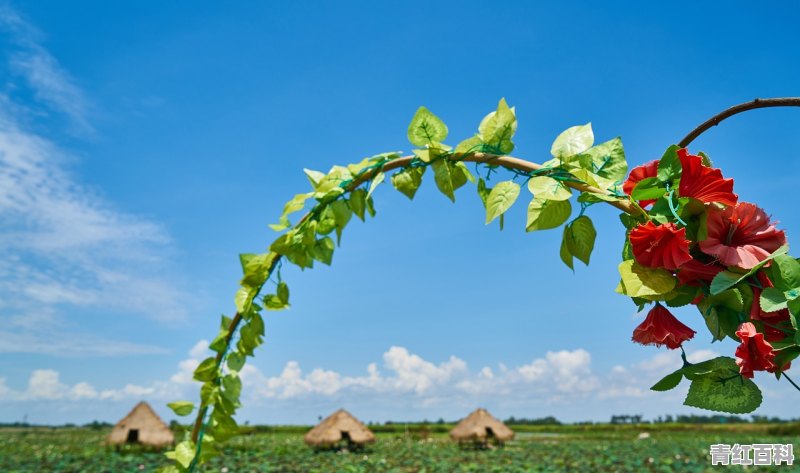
(509, 162)
(742, 107)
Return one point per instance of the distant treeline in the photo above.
(440, 425)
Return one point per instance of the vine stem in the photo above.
(790, 380)
(742, 107)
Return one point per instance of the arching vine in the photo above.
(689, 240)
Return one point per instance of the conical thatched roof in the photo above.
(481, 426)
(340, 425)
(142, 426)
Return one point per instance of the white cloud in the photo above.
(63, 247)
(561, 381)
(45, 384)
(50, 83)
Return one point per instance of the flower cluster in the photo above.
(697, 243)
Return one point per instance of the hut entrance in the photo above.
(133, 436)
(346, 438)
(489, 433)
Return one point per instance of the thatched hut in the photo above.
(480, 427)
(141, 426)
(339, 427)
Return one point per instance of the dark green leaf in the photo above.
(669, 381)
(669, 167)
(581, 238)
(648, 188)
(721, 390)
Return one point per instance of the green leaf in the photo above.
(669, 166)
(206, 370)
(788, 272)
(498, 127)
(573, 141)
(235, 361)
(223, 425)
(470, 145)
(255, 268)
(669, 381)
(443, 175)
(184, 453)
(379, 177)
(726, 279)
(408, 180)
(500, 199)
(545, 214)
(461, 175)
(773, 300)
(220, 342)
(358, 202)
(581, 238)
(564, 253)
(280, 300)
(608, 160)
(721, 390)
(231, 387)
(721, 313)
(648, 188)
(426, 128)
(209, 393)
(323, 250)
(641, 281)
(543, 187)
(181, 408)
(243, 298)
(297, 203)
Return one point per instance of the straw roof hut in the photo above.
(141, 426)
(339, 426)
(481, 427)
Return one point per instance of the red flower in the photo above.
(660, 246)
(637, 174)
(702, 182)
(694, 272)
(741, 235)
(660, 327)
(754, 354)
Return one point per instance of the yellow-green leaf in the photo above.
(641, 281)
(500, 199)
(543, 187)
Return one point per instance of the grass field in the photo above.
(670, 448)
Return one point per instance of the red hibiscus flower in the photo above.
(660, 246)
(702, 182)
(755, 353)
(660, 327)
(637, 174)
(741, 235)
(695, 273)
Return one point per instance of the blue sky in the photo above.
(142, 147)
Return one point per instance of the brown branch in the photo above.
(201, 414)
(742, 107)
(506, 162)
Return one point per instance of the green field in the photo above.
(670, 448)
